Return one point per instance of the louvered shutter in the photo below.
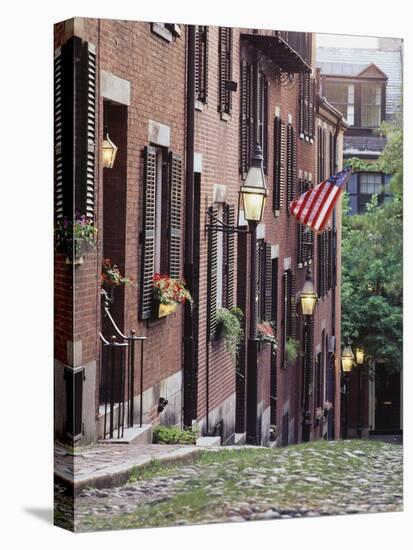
(301, 109)
(268, 312)
(325, 260)
(222, 64)
(301, 249)
(74, 129)
(311, 107)
(175, 202)
(319, 154)
(90, 70)
(245, 116)
(60, 108)
(284, 320)
(260, 280)
(274, 291)
(291, 165)
(230, 257)
(206, 63)
(201, 63)
(225, 69)
(307, 79)
(279, 164)
(293, 319)
(319, 263)
(198, 62)
(334, 259)
(331, 167)
(212, 274)
(308, 354)
(148, 245)
(265, 127)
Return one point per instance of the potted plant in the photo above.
(167, 294)
(75, 237)
(266, 333)
(229, 324)
(274, 432)
(327, 406)
(111, 278)
(319, 415)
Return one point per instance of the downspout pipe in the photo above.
(188, 336)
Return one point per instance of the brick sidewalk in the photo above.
(108, 465)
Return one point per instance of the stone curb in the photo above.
(117, 475)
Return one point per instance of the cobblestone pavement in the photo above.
(321, 478)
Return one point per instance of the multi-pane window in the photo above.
(341, 96)
(370, 105)
(369, 184)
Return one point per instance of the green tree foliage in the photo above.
(372, 266)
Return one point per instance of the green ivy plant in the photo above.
(231, 321)
(291, 349)
(171, 435)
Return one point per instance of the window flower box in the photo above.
(167, 294)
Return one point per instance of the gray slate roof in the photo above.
(351, 61)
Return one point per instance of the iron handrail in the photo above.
(130, 339)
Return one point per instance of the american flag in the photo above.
(314, 207)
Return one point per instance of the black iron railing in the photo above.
(117, 379)
(300, 42)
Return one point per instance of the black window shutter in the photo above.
(274, 290)
(212, 273)
(311, 107)
(291, 165)
(265, 127)
(201, 63)
(319, 154)
(74, 129)
(61, 133)
(268, 309)
(301, 249)
(245, 117)
(309, 354)
(325, 260)
(148, 247)
(279, 163)
(319, 263)
(175, 202)
(301, 104)
(284, 318)
(331, 150)
(307, 104)
(230, 257)
(293, 320)
(323, 154)
(225, 68)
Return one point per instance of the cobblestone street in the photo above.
(240, 484)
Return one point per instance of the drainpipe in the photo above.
(188, 337)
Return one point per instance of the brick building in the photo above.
(185, 106)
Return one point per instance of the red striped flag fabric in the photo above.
(314, 207)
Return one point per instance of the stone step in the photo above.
(208, 441)
(136, 435)
(240, 438)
